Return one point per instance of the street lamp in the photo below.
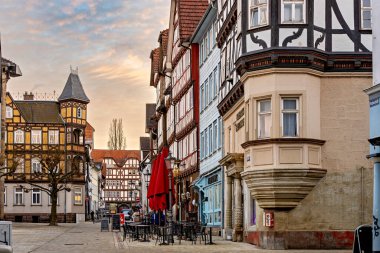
(170, 163)
(147, 180)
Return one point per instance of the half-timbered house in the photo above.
(295, 145)
(122, 183)
(35, 128)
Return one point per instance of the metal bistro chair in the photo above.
(200, 232)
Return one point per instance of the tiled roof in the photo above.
(73, 90)
(89, 133)
(39, 111)
(119, 156)
(163, 38)
(155, 57)
(190, 13)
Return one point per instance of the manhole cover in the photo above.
(74, 244)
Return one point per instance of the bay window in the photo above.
(293, 11)
(258, 13)
(264, 118)
(290, 117)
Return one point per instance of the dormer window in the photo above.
(366, 14)
(79, 113)
(258, 13)
(293, 11)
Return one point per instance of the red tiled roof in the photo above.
(190, 12)
(163, 38)
(89, 132)
(155, 57)
(119, 156)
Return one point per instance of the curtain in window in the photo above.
(290, 124)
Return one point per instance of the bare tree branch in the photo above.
(116, 138)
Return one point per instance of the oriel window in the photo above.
(290, 117)
(258, 13)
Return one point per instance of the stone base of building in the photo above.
(301, 239)
(40, 217)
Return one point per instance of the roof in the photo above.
(119, 156)
(155, 58)
(163, 39)
(40, 111)
(190, 12)
(89, 133)
(203, 25)
(13, 67)
(73, 90)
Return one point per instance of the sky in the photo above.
(108, 40)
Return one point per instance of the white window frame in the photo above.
(18, 191)
(362, 10)
(78, 202)
(259, 6)
(54, 137)
(259, 113)
(296, 111)
(37, 192)
(36, 165)
(19, 137)
(9, 112)
(293, 3)
(36, 137)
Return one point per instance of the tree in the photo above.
(55, 178)
(116, 138)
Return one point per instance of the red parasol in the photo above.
(162, 182)
(151, 187)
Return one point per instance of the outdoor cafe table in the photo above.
(144, 227)
(210, 232)
(134, 225)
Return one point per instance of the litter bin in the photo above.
(363, 239)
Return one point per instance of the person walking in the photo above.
(92, 217)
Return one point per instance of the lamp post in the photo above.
(170, 163)
(147, 180)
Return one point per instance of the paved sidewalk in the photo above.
(86, 237)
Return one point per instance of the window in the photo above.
(290, 117)
(206, 93)
(202, 97)
(216, 139)
(36, 165)
(9, 112)
(259, 13)
(36, 196)
(202, 145)
(19, 136)
(264, 119)
(220, 132)
(53, 136)
(366, 14)
(77, 196)
(36, 136)
(293, 11)
(19, 196)
(211, 144)
(206, 142)
(20, 165)
(215, 83)
(56, 169)
(253, 212)
(5, 195)
(79, 113)
(211, 88)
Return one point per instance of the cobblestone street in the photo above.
(86, 237)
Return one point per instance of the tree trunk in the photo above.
(53, 212)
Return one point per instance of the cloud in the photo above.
(109, 41)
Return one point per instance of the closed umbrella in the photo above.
(151, 187)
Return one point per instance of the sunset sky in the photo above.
(109, 41)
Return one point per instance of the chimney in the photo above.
(29, 96)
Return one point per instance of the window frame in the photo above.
(76, 202)
(293, 3)
(8, 112)
(79, 113)
(296, 111)
(21, 165)
(15, 193)
(259, 7)
(19, 134)
(33, 161)
(37, 192)
(53, 134)
(36, 133)
(363, 9)
(264, 113)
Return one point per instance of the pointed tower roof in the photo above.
(73, 89)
